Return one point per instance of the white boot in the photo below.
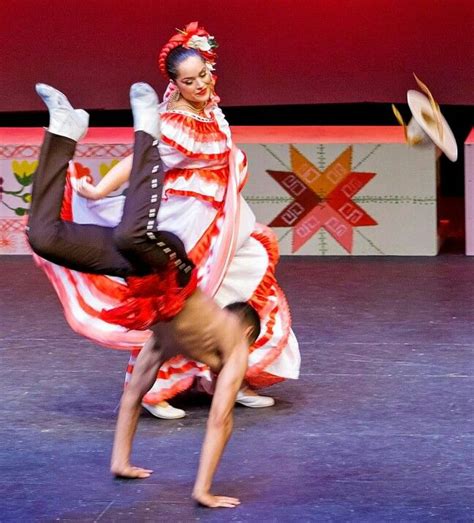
(144, 103)
(64, 120)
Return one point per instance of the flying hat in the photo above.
(427, 124)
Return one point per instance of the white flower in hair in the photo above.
(200, 43)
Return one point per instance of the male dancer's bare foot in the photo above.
(207, 499)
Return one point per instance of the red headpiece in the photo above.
(191, 37)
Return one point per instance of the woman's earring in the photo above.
(175, 96)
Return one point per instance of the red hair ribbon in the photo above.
(191, 37)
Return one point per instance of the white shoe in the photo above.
(167, 412)
(52, 97)
(64, 120)
(144, 103)
(254, 402)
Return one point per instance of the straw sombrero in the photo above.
(427, 123)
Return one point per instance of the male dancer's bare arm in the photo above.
(117, 176)
(219, 427)
(143, 377)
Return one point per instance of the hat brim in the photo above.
(419, 103)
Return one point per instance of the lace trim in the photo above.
(192, 115)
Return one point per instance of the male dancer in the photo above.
(200, 329)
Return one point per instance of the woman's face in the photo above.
(194, 81)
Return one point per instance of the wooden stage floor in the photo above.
(378, 429)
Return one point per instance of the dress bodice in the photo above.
(191, 141)
(195, 152)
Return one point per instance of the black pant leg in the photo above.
(136, 236)
(85, 248)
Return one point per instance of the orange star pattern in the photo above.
(322, 199)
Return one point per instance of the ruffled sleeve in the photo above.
(223, 125)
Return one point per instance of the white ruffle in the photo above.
(173, 159)
(223, 125)
(196, 184)
(188, 218)
(184, 138)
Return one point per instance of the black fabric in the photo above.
(131, 234)
(85, 248)
(124, 250)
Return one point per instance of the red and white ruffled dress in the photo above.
(235, 256)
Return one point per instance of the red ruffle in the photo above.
(191, 194)
(218, 176)
(187, 135)
(151, 299)
(66, 208)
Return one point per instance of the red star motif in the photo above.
(322, 199)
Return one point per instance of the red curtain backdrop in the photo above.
(271, 52)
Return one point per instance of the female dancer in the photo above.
(201, 203)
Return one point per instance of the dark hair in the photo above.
(248, 316)
(176, 56)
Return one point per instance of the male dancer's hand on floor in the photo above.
(225, 352)
(131, 472)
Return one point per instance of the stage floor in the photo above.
(378, 429)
